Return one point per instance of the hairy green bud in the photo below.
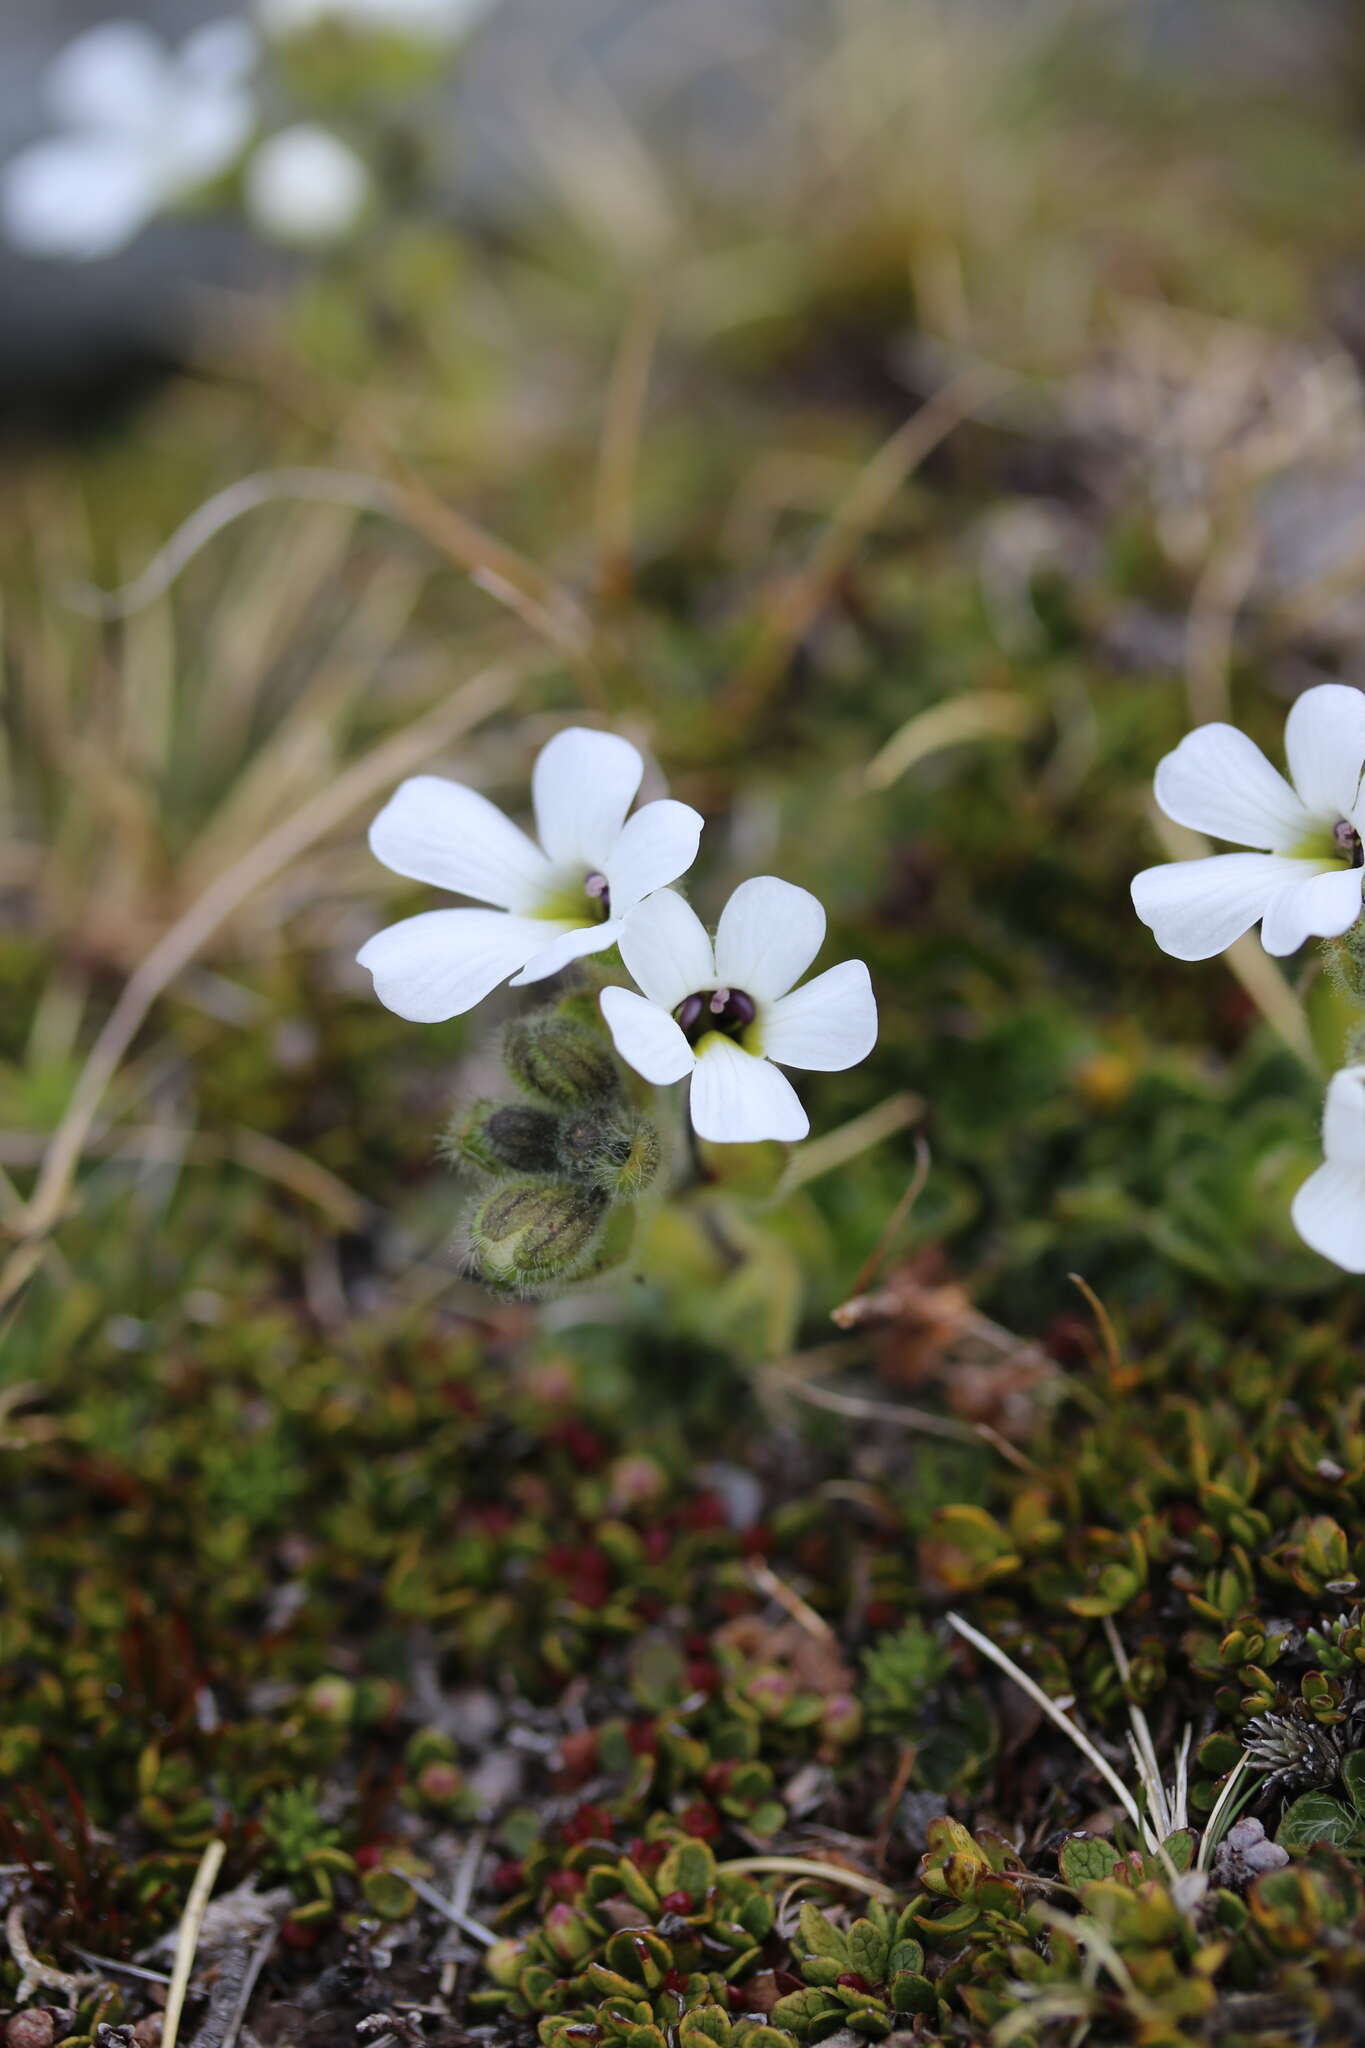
(507, 1137)
(534, 1232)
(615, 1151)
(563, 1062)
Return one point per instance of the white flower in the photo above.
(1305, 881)
(143, 126)
(424, 20)
(305, 187)
(1329, 1209)
(724, 1014)
(556, 901)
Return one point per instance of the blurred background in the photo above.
(904, 419)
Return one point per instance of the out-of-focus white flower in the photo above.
(436, 21)
(1329, 1209)
(725, 1013)
(305, 187)
(142, 127)
(1305, 882)
(556, 901)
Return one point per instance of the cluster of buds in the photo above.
(569, 1154)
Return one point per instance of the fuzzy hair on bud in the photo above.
(561, 1061)
(613, 1150)
(506, 1137)
(531, 1233)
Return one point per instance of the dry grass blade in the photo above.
(796, 606)
(822, 1873)
(977, 715)
(1054, 1714)
(476, 700)
(187, 1941)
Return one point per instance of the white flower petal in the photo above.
(769, 932)
(206, 133)
(825, 1025)
(1324, 742)
(1218, 781)
(1329, 1214)
(646, 1037)
(1317, 905)
(666, 950)
(740, 1100)
(77, 197)
(1343, 1118)
(572, 945)
(443, 962)
(655, 846)
(117, 77)
(220, 53)
(1196, 908)
(305, 188)
(582, 786)
(440, 832)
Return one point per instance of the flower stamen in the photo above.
(727, 1010)
(597, 888)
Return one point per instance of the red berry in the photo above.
(294, 1935)
(851, 1981)
(676, 1902)
(508, 1876)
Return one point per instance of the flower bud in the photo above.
(504, 1961)
(535, 1231)
(506, 1137)
(331, 1698)
(560, 1060)
(616, 1151)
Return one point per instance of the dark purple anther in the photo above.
(688, 1013)
(1347, 842)
(599, 889)
(727, 1010)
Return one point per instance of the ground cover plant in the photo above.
(508, 1533)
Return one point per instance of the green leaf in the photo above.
(690, 1868)
(821, 1936)
(1353, 1778)
(1086, 1859)
(1316, 1817)
(867, 1951)
(1180, 1848)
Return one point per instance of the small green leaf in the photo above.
(821, 1936)
(1086, 1859)
(867, 1951)
(1316, 1817)
(1353, 1778)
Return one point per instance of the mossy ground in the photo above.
(309, 1546)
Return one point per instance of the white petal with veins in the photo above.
(1218, 781)
(582, 786)
(646, 1037)
(769, 932)
(442, 962)
(440, 832)
(825, 1025)
(740, 1100)
(666, 950)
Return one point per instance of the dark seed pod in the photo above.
(563, 1062)
(507, 1137)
